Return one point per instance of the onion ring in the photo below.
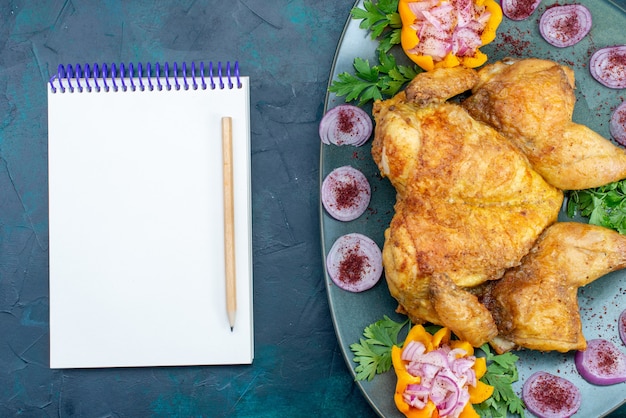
(602, 363)
(519, 9)
(608, 66)
(345, 193)
(354, 262)
(621, 324)
(550, 396)
(345, 125)
(617, 125)
(564, 26)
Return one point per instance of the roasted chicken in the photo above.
(535, 305)
(531, 102)
(469, 205)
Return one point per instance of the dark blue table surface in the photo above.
(286, 47)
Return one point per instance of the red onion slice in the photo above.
(448, 27)
(608, 66)
(345, 125)
(519, 9)
(444, 374)
(618, 124)
(550, 396)
(445, 393)
(564, 26)
(412, 350)
(602, 363)
(354, 262)
(345, 193)
(621, 325)
(416, 395)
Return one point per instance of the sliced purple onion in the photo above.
(519, 9)
(416, 395)
(345, 193)
(439, 35)
(550, 396)
(618, 124)
(436, 358)
(564, 26)
(345, 125)
(445, 393)
(444, 377)
(354, 262)
(412, 350)
(608, 66)
(602, 363)
(621, 325)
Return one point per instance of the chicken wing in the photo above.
(535, 305)
(441, 85)
(469, 205)
(461, 311)
(531, 101)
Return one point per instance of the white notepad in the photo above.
(136, 217)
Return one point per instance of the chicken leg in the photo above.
(535, 305)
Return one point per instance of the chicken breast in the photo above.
(531, 102)
(535, 305)
(469, 205)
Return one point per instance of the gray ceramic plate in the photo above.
(600, 303)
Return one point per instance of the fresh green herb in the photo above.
(501, 373)
(373, 353)
(386, 78)
(382, 20)
(604, 205)
(373, 82)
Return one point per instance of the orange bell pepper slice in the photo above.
(418, 333)
(409, 38)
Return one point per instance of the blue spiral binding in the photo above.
(121, 77)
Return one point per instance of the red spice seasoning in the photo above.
(353, 266)
(617, 65)
(523, 9)
(346, 194)
(605, 360)
(346, 121)
(514, 43)
(551, 395)
(568, 27)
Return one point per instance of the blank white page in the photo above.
(137, 231)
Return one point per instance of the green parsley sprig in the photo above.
(604, 206)
(373, 82)
(382, 20)
(373, 356)
(501, 374)
(383, 79)
(373, 353)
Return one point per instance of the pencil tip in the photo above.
(231, 329)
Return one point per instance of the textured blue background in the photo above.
(286, 47)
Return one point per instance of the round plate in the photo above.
(600, 302)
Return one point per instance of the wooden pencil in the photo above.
(229, 221)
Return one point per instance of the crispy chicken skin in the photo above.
(473, 322)
(531, 102)
(439, 86)
(469, 205)
(535, 305)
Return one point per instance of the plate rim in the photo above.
(346, 353)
